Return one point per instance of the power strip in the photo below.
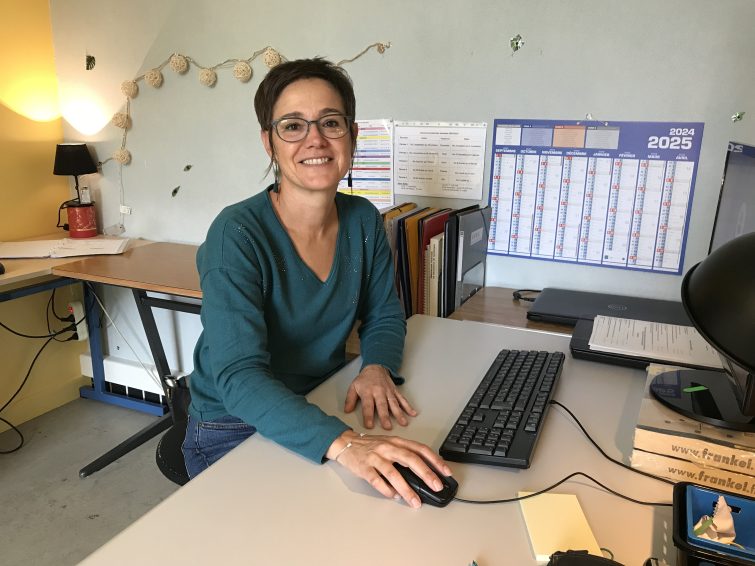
(77, 310)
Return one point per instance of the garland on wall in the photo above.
(208, 76)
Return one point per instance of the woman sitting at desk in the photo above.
(285, 274)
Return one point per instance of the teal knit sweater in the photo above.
(272, 331)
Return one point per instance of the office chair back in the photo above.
(168, 455)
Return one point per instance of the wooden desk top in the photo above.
(496, 305)
(20, 272)
(159, 267)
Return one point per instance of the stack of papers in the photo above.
(65, 247)
(653, 340)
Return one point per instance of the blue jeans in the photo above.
(208, 441)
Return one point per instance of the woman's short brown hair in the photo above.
(280, 76)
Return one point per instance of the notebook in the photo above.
(555, 521)
(565, 306)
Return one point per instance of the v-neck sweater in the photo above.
(273, 331)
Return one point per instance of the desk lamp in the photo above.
(74, 159)
(719, 296)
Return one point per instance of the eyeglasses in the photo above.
(332, 126)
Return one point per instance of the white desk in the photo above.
(264, 505)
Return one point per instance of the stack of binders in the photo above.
(439, 255)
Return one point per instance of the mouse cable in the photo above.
(20, 387)
(558, 483)
(606, 456)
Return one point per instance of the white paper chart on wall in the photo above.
(612, 194)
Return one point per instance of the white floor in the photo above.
(48, 515)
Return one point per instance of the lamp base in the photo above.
(82, 222)
(702, 395)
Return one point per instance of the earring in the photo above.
(349, 183)
(276, 176)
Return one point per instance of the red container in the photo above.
(82, 222)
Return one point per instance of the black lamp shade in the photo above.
(719, 296)
(73, 159)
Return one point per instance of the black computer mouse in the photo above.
(426, 494)
(2, 269)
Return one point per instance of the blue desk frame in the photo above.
(144, 304)
(98, 389)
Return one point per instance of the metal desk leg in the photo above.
(153, 336)
(99, 392)
(162, 424)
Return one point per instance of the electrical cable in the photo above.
(20, 387)
(22, 335)
(52, 335)
(151, 374)
(606, 456)
(51, 303)
(519, 297)
(558, 483)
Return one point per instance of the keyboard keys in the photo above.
(504, 416)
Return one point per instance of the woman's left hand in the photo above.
(376, 390)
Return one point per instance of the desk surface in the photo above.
(21, 272)
(264, 505)
(497, 305)
(160, 267)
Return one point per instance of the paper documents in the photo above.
(654, 340)
(555, 521)
(65, 247)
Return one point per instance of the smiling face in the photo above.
(315, 163)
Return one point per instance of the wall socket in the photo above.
(77, 310)
(125, 209)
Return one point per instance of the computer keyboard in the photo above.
(502, 420)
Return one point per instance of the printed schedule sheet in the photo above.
(602, 193)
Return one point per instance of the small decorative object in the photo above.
(737, 116)
(516, 43)
(130, 88)
(121, 120)
(242, 71)
(179, 63)
(271, 58)
(381, 47)
(154, 78)
(208, 77)
(122, 156)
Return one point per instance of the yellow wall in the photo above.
(30, 194)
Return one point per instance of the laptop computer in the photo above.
(564, 306)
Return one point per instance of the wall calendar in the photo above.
(614, 194)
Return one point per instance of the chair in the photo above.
(168, 455)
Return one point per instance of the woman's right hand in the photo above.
(371, 458)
